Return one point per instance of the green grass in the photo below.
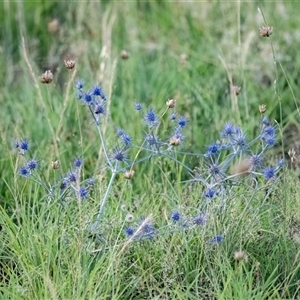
(191, 52)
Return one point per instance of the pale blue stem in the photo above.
(112, 179)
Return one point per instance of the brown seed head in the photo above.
(240, 255)
(262, 108)
(55, 165)
(266, 31)
(171, 103)
(69, 64)
(236, 89)
(47, 77)
(129, 174)
(174, 141)
(124, 54)
(53, 26)
(242, 168)
(129, 218)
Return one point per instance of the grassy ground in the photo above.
(193, 52)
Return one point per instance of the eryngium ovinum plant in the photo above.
(214, 180)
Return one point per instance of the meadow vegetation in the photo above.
(150, 150)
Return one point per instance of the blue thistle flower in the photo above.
(151, 118)
(79, 84)
(152, 141)
(148, 230)
(90, 181)
(97, 91)
(214, 169)
(265, 121)
(78, 162)
(138, 106)
(99, 108)
(24, 145)
(72, 176)
(32, 164)
(83, 193)
(24, 171)
(256, 160)
(269, 173)
(118, 154)
(213, 149)
(229, 130)
(129, 231)
(88, 99)
(270, 130)
(173, 116)
(126, 140)
(270, 140)
(209, 193)
(16, 144)
(175, 216)
(217, 239)
(182, 122)
(64, 184)
(120, 132)
(200, 220)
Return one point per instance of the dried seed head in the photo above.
(129, 218)
(292, 155)
(129, 174)
(69, 64)
(242, 168)
(236, 89)
(123, 207)
(55, 165)
(175, 141)
(240, 256)
(124, 54)
(266, 31)
(47, 77)
(53, 26)
(171, 103)
(262, 108)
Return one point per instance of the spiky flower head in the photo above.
(236, 89)
(151, 118)
(200, 219)
(83, 193)
(269, 173)
(24, 145)
(99, 108)
(118, 154)
(138, 106)
(98, 91)
(175, 216)
(217, 239)
(266, 31)
(24, 171)
(78, 162)
(262, 108)
(124, 54)
(69, 64)
(47, 77)
(79, 84)
(129, 231)
(32, 164)
(129, 174)
(182, 122)
(171, 103)
(55, 165)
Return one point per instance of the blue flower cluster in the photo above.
(69, 183)
(216, 180)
